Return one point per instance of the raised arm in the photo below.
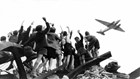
(68, 29)
(32, 38)
(61, 34)
(71, 34)
(26, 34)
(20, 33)
(68, 35)
(81, 36)
(48, 26)
(29, 28)
(21, 28)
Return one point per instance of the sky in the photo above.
(81, 15)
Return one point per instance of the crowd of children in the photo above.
(48, 45)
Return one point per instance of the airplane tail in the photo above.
(100, 32)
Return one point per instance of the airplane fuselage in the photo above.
(107, 29)
(113, 25)
(110, 27)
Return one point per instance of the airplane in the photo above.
(113, 25)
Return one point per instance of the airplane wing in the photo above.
(103, 22)
(119, 28)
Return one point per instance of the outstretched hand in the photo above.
(22, 22)
(78, 31)
(68, 27)
(52, 24)
(44, 19)
(32, 23)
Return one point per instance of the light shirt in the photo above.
(5, 44)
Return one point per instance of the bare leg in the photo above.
(67, 61)
(36, 64)
(59, 60)
(50, 64)
(95, 53)
(44, 66)
(90, 54)
(64, 60)
(72, 63)
(41, 65)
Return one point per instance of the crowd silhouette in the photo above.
(44, 45)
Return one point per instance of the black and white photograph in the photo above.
(69, 39)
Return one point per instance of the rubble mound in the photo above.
(98, 72)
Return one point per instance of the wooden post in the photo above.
(15, 51)
(88, 64)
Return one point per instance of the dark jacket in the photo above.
(39, 38)
(93, 41)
